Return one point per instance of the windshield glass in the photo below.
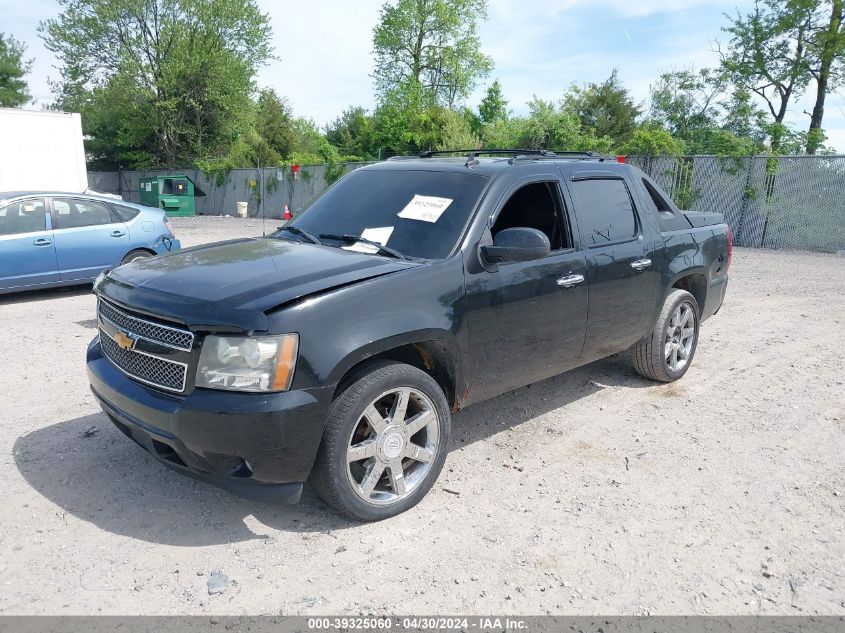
(418, 213)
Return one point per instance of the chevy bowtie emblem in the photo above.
(124, 341)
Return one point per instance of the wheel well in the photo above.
(431, 357)
(696, 285)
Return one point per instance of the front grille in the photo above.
(152, 370)
(166, 335)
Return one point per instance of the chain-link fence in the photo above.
(222, 191)
(784, 202)
(787, 202)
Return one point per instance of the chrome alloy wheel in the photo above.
(392, 446)
(680, 337)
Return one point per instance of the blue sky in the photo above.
(539, 47)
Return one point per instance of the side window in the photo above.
(536, 206)
(75, 212)
(26, 216)
(605, 212)
(125, 213)
(667, 219)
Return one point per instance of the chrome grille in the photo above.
(155, 371)
(166, 335)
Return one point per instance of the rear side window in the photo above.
(125, 213)
(667, 219)
(605, 211)
(75, 212)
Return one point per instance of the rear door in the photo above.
(27, 256)
(89, 237)
(621, 272)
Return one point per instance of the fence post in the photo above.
(745, 200)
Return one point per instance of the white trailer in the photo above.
(41, 151)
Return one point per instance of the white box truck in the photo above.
(42, 150)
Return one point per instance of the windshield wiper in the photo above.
(298, 231)
(351, 239)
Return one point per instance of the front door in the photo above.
(27, 256)
(621, 272)
(526, 320)
(89, 238)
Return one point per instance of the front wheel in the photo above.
(666, 353)
(385, 443)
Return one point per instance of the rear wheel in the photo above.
(385, 443)
(135, 256)
(666, 354)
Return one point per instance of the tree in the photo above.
(494, 106)
(653, 141)
(13, 68)
(456, 132)
(768, 56)
(274, 124)
(548, 125)
(185, 66)
(352, 132)
(686, 101)
(432, 43)
(827, 45)
(606, 108)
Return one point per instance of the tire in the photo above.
(653, 357)
(399, 459)
(135, 255)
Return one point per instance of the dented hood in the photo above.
(231, 285)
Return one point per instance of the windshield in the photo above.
(417, 213)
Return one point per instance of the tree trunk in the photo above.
(830, 49)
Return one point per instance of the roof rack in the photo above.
(515, 154)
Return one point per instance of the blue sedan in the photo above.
(63, 239)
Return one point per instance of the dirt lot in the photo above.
(593, 492)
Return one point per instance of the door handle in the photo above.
(570, 281)
(118, 233)
(42, 241)
(641, 264)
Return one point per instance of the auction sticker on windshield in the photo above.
(425, 208)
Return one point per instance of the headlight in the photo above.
(248, 363)
(99, 279)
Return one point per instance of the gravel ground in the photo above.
(592, 492)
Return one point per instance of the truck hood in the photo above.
(231, 285)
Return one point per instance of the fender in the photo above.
(342, 327)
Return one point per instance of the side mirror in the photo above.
(520, 244)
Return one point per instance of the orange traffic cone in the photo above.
(286, 214)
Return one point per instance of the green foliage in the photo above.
(185, 66)
(493, 107)
(606, 108)
(547, 126)
(456, 132)
(352, 132)
(768, 56)
(653, 141)
(13, 68)
(275, 126)
(433, 44)
(826, 46)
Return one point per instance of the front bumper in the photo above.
(259, 446)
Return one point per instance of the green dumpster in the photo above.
(173, 193)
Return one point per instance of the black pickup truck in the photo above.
(337, 348)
